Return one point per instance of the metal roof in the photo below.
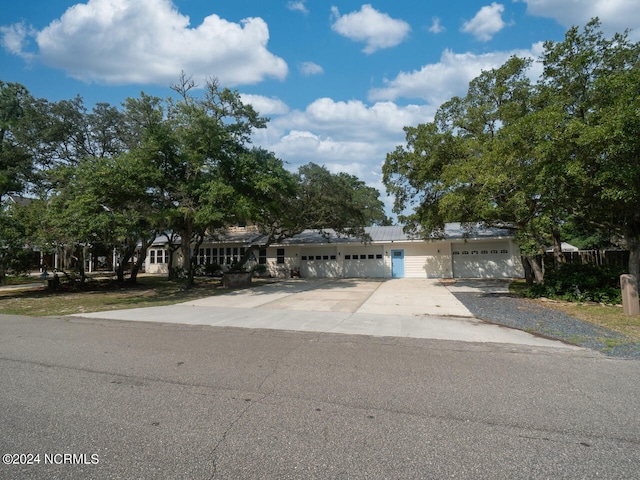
(396, 233)
(381, 234)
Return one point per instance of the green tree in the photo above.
(16, 162)
(474, 163)
(339, 201)
(193, 143)
(593, 82)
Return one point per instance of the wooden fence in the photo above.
(594, 257)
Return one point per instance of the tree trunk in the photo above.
(633, 244)
(247, 255)
(528, 271)
(82, 261)
(535, 262)
(558, 257)
(123, 262)
(142, 255)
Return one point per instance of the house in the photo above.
(391, 253)
(565, 247)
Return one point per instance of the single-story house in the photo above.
(391, 253)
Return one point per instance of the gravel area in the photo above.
(523, 314)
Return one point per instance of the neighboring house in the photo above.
(566, 247)
(391, 253)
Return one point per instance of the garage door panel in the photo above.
(481, 260)
(320, 268)
(364, 268)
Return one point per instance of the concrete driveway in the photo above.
(417, 308)
(391, 297)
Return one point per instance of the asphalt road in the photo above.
(141, 400)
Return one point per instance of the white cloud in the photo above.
(265, 105)
(436, 83)
(348, 136)
(615, 15)
(310, 68)
(298, 6)
(487, 22)
(14, 39)
(354, 120)
(377, 30)
(436, 27)
(149, 41)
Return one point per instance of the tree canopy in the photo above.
(183, 166)
(532, 156)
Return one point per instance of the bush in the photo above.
(209, 270)
(581, 283)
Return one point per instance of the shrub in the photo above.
(581, 283)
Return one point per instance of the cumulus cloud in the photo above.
(148, 41)
(615, 15)
(438, 82)
(265, 105)
(487, 22)
(352, 136)
(377, 30)
(298, 6)
(14, 39)
(354, 120)
(436, 27)
(310, 68)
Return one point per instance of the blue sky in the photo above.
(339, 79)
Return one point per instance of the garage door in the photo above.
(364, 262)
(320, 262)
(481, 260)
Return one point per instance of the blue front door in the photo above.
(397, 263)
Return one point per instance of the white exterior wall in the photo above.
(438, 259)
(421, 259)
(162, 267)
(291, 261)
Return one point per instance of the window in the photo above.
(304, 257)
(379, 256)
(455, 253)
(318, 257)
(333, 257)
(262, 256)
(484, 252)
(474, 252)
(158, 256)
(280, 256)
(204, 256)
(371, 256)
(325, 257)
(504, 251)
(464, 252)
(494, 251)
(363, 257)
(347, 257)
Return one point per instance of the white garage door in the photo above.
(482, 260)
(363, 262)
(320, 262)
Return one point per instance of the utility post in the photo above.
(629, 286)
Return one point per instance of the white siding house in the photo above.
(479, 253)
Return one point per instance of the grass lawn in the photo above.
(100, 295)
(609, 317)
